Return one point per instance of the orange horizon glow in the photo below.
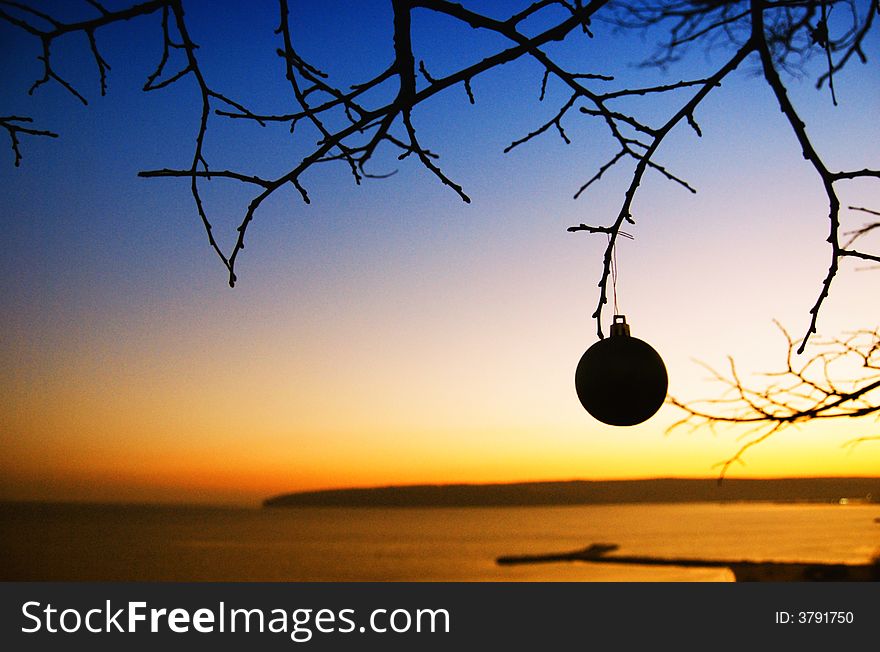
(246, 474)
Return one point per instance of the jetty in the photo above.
(743, 570)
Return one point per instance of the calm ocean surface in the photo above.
(100, 542)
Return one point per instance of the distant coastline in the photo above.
(592, 492)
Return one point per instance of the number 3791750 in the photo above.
(814, 617)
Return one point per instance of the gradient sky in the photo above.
(389, 333)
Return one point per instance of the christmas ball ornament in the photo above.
(621, 380)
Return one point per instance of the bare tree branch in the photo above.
(12, 125)
(841, 379)
(784, 34)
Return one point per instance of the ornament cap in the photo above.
(619, 326)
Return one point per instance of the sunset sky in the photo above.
(389, 333)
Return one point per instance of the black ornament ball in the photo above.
(621, 380)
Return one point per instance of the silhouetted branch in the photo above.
(10, 124)
(378, 123)
(206, 174)
(651, 89)
(28, 19)
(852, 443)
(644, 162)
(555, 121)
(864, 230)
(850, 43)
(827, 177)
(353, 128)
(865, 210)
(840, 380)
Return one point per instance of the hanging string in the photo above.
(614, 274)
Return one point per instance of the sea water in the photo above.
(172, 543)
